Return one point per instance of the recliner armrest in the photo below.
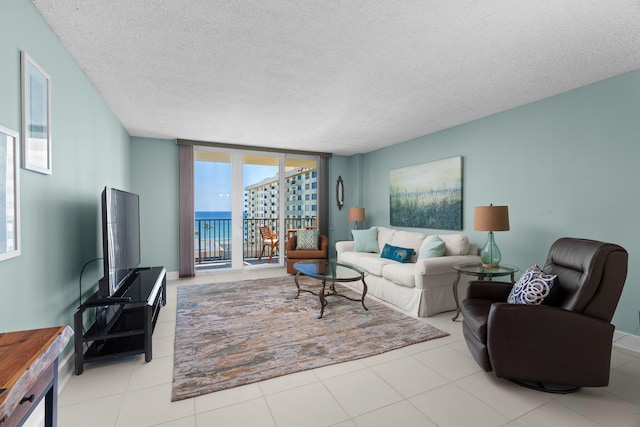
(493, 291)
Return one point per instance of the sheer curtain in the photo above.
(186, 215)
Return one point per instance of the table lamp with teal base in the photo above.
(491, 218)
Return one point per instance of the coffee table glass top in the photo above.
(330, 270)
(478, 269)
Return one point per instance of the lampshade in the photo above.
(491, 218)
(356, 214)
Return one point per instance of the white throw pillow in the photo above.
(532, 287)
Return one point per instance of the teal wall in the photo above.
(154, 175)
(565, 166)
(60, 216)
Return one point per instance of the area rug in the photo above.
(231, 334)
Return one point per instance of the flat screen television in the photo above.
(120, 240)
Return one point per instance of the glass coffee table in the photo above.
(332, 272)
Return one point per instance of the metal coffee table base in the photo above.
(332, 292)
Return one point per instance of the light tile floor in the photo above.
(435, 383)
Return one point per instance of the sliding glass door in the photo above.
(248, 203)
(301, 193)
(213, 187)
(262, 231)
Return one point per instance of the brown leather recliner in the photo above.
(564, 343)
(294, 255)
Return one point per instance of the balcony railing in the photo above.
(213, 236)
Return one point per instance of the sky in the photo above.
(213, 184)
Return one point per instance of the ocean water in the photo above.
(213, 215)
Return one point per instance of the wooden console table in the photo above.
(29, 372)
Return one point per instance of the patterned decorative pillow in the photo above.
(396, 253)
(365, 240)
(307, 239)
(532, 287)
(435, 248)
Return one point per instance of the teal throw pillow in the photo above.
(307, 239)
(435, 248)
(396, 253)
(365, 240)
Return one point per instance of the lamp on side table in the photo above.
(491, 218)
(356, 215)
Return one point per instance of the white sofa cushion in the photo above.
(401, 274)
(352, 257)
(456, 244)
(385, 235)
(374, 264)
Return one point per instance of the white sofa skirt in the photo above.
(415, 301)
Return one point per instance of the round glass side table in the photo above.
(477, 270)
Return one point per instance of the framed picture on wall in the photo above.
(36, 116)
(427, 195)
(10, 243)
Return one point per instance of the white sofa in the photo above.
(422, 287)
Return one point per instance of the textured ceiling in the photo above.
(346, 76)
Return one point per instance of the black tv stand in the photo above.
(97, 302)
(122, 325)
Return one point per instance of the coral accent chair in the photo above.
(269, 240)
(294, 255)
(564, 343)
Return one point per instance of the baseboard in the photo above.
(66, 369)
(626, 341)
